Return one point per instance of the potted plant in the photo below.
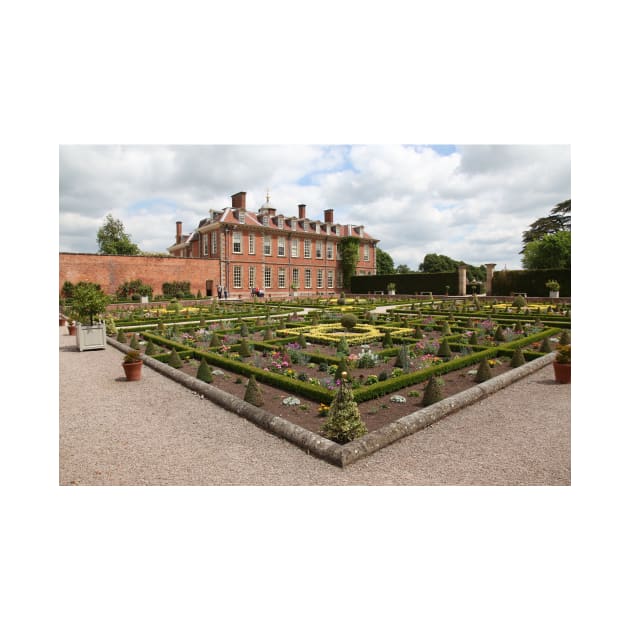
(562, 364)
(554, 288)
(88, 304)
(294, 288)
(132, 364)
(391, 288)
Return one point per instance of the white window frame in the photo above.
(265, 220)
(308, 247)
(267, 245)
(295, 277)
(331, 279)
(319, 250)
(320, 278)
(252, 277)
(308, 278)
(340, 279)
(329, 251)
(213, 243)
(295, 248)
(252, 243)
(267, 279)
(237, 277)
(282, 278)
(366, 252)
(281, 223)
(204, 244)
(237, 242)
(282, 246)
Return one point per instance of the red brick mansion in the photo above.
(279, 254)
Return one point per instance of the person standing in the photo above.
(220, 291)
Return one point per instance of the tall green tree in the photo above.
(384, 262)
(403, 269)
(439, 263)
(112, 238)
(552, 251)
(558, 220)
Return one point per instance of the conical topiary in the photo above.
(121, 337)
(565, 338)
(417, 332)
(215, 340)
(204, 373)
(499, 335)
(343, 347)
(446, 329)
(268, 336)
(253, 393)
(483, 371)
(134, 344)
(517, 358)
(473, 341)
(150, 349)
(545, 346)
(343, 423)
(174, 359)
(302, 340)
(342, 367)
(432, 392)
(444, 350)
(244, 350)
(387, 340)
(244, 330)
(402, 359)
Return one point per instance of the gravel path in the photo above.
(156, 432)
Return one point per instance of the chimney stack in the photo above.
(302, 211)
(238, 200)
(178, 232)
(328, 215)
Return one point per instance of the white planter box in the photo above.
(91, 337)
(554, 294)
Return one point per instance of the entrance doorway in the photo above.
(209, 287)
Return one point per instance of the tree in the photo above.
(552, 251)
(439, 263)
(558, 220)
(112, 238)
(88, 302)
(403, 269)
(384, 262)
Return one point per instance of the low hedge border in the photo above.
(346, 454)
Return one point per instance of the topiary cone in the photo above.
(432, 392)
(545, 346)
(483, 371)
(565, 339)
(214, 340)
(174, 359)
(150, 349)
(499, 334)
(517, 358)
(203, 372)
(268, 336)
(343, 423)
(121, 337)
(244, 350)
(387, 340)
(253, 393)
(444, 350)
(302, 341)
(473, 341)
(134, 344)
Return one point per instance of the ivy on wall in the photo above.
(349, 249)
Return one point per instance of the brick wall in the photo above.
(112, 271)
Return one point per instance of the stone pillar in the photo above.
(489, 273)
(462, 279)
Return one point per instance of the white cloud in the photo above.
(472, 204)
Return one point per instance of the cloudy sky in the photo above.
(469, 202)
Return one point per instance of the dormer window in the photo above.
(317, 228)
(293, 224)
(241, 216)
(361, 230)
(265, 220)
(281, 223)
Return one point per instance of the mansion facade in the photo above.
(276, 253)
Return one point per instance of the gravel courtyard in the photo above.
(156, 432)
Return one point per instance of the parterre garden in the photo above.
(390, 364)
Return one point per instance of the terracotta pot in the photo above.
(562, 372)
(133, 371)
(72, 329)
(62, 321)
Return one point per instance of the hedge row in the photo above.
(407, 283)
(530, 281)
